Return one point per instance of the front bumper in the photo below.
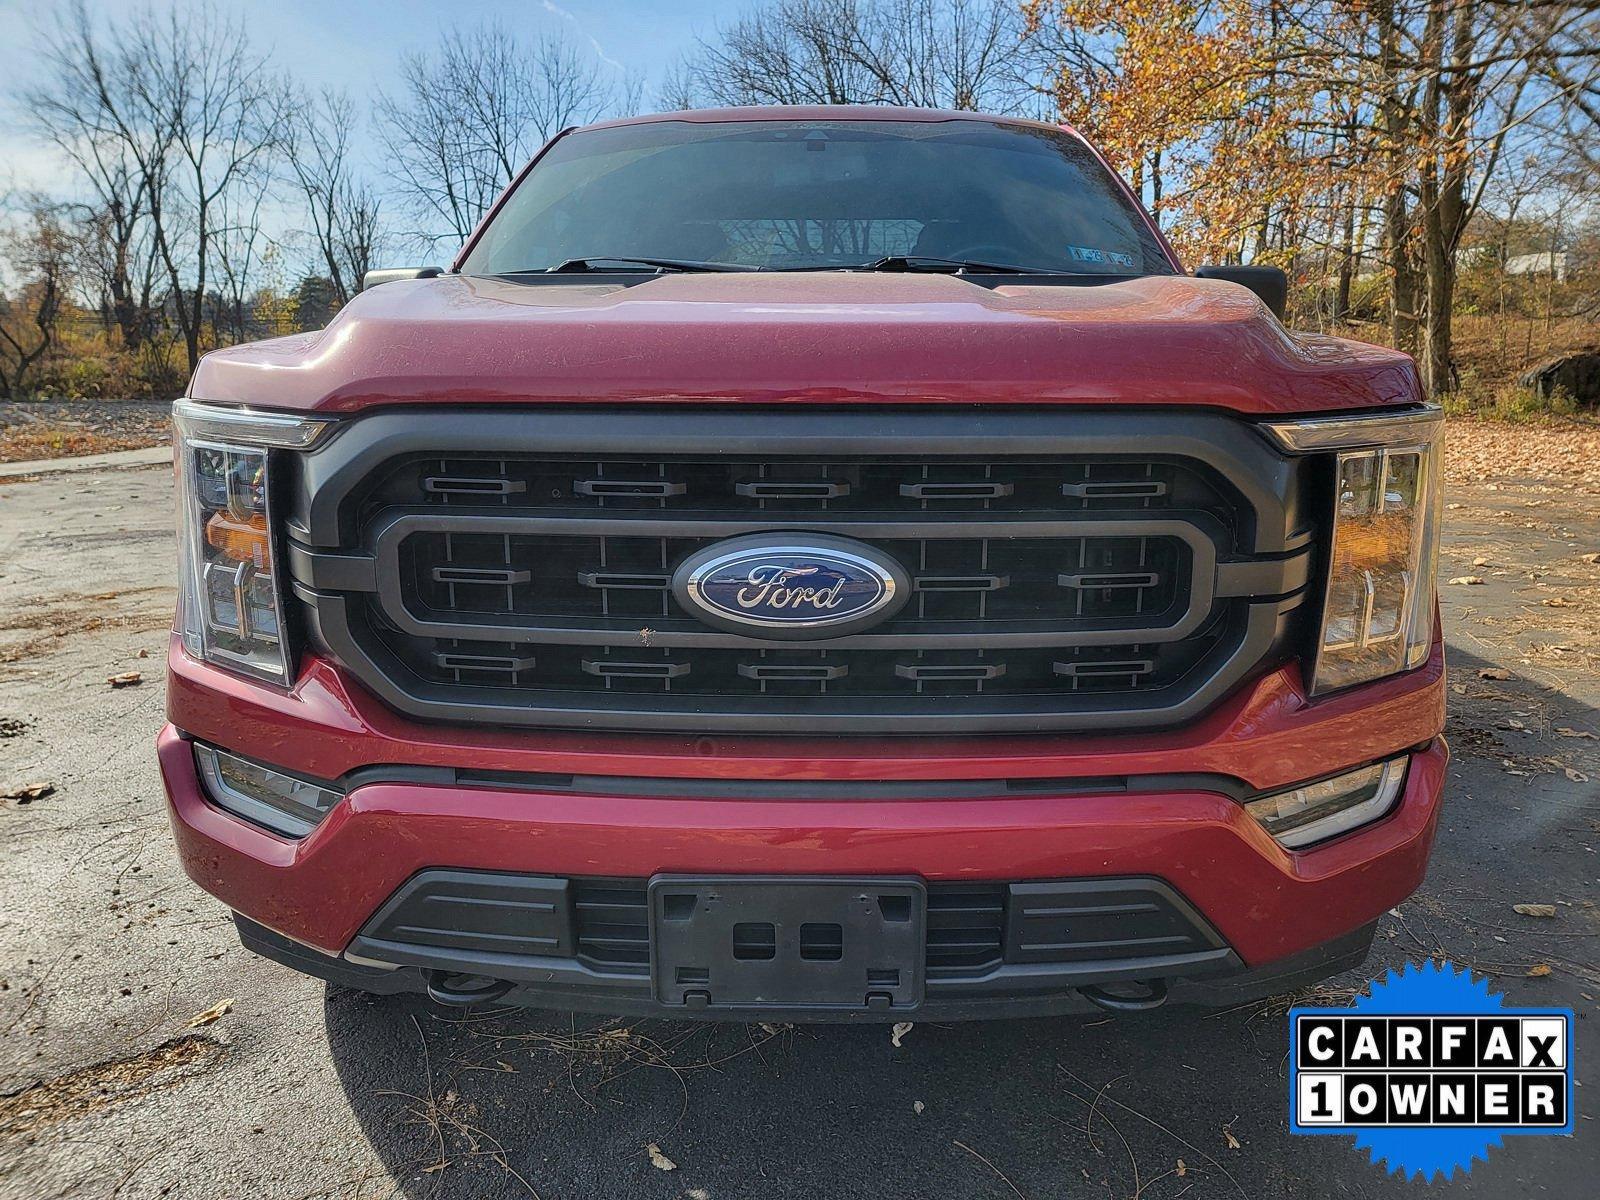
(1007, 993)
(1156, 806)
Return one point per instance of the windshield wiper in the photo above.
(951, 266)
(594, 263)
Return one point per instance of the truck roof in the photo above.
(822, 112)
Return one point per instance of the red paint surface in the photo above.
(807, 338)
(1267, 734)
(1266, 902)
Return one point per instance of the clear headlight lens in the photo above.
(262, 796)
(1377, 616)
(230, 608)
(1316, 812)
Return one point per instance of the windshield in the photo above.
(796, 195)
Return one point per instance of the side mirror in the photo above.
(390, 274)
(1269, 283)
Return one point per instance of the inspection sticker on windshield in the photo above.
(1106, 258)
(1430, 1070)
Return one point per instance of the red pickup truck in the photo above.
(829, 562)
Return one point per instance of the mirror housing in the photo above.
(391, 274)
(1269, 283)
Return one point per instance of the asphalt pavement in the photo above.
(107, 953)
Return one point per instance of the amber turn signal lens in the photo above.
(241, 540)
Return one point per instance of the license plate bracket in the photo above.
(787, 942)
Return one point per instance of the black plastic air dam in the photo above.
(1026, 993)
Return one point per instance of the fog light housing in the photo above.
(1315, 812)
(281, 803)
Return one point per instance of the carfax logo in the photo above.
(1430, 1070)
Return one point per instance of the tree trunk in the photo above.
(1347, 255)
(1396, 221)
(1438, 371)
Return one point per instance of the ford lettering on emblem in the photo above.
(791, 586)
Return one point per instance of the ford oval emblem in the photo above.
(791, 586)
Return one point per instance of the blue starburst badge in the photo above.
(1429, 1070)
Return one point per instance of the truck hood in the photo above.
(807, 338)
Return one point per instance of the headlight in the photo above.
(1377, 615)
(230, 606)
(1316, 812)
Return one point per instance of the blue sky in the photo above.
(356, 44)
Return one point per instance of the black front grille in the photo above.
(782, 486)
(1054, 584)
(1089, 581)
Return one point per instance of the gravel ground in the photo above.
(107, 953)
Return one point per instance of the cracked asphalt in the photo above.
(107, 952)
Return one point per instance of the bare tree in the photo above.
(241, 245)
(678, 88)
(921, 53)
(342, 209)
(39, 256)
(787, 52)
(468, 117)
(83, 109)
(941, 53)
(196, 74)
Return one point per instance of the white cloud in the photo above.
(572, 18)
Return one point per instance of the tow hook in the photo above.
(1154, 995)
(460, 991)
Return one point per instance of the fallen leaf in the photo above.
(1513, 723)
(1468, 580)
(1180, 1170)
(1481, 562)
(1495, 673)
(659, 1160)
(1535, 910)
(217, 1011)
(1590, 558)
(1538, 971)
(918, 1107)
(435, 1168)
(1564, 731)
(126, 679)
(1576, 775)
(29, 792)
(901, 1028)
(143, 653)
(1459, 689)
(1227, 1136)
(1559, 602)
